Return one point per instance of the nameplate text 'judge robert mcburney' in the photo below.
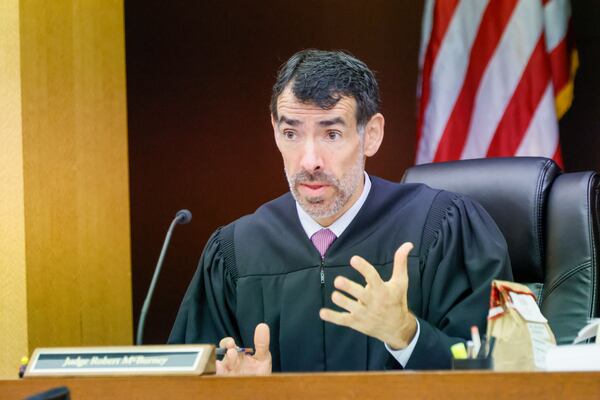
(125, 360)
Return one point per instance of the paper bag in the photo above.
(522, 334)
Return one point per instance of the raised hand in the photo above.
(379, 309)
(235, 363)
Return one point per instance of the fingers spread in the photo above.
(400, 271)
(344, 302)
(352, 288)
(367, 270)
(335, 317)
(261, 341)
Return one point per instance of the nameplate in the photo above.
(122, 360)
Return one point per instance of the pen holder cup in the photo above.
(473, 363)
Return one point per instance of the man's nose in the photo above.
(311, 158)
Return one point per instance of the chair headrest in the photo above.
(513, 191)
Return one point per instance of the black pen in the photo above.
(220, 351)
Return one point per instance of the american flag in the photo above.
(495, 77)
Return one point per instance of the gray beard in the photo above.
(344, 189)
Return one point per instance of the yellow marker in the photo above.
(459, 351)
(23, 366)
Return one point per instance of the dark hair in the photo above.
(324, 77)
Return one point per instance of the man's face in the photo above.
(322, 154)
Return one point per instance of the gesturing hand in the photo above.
(235, 363)
(379, 309)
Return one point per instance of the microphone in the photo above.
(182, 217)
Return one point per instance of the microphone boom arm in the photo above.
(182, 217)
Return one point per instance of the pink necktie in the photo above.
(322, 239)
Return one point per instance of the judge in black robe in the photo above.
(264, 268)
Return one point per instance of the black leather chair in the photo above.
(550, 222)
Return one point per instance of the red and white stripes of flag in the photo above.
(495, 77)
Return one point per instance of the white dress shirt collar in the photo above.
(339, 225)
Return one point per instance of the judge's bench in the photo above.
(389, 385)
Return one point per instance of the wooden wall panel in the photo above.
(13, 310)
(74, 174)
(76, 171)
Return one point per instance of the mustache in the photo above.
(316, 176)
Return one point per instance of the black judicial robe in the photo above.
(264, 268)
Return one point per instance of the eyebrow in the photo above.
(327, 122)
(291, 122)
(333, 121)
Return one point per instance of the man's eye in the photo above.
(290, 135)
(333, 135)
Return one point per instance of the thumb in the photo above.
(261, 341)
(400, 271)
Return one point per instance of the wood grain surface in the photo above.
(13, 308)
(69, 142)
(392, 385)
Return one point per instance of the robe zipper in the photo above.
(322, 273)
(322, 277)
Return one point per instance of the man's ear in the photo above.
(374, 134)
(273, 123)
